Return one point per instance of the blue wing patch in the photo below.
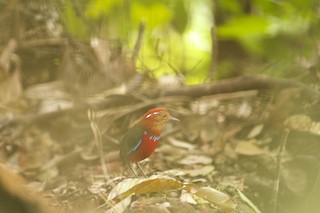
(154, 138)
(136, 146)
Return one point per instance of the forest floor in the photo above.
(242, 151)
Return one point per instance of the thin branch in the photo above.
(214, 44)
(98, 142)
(239, 84)
(214, 53)
(6, 56)
(139, 42)
(275, 193)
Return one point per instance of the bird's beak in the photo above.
(174, 119)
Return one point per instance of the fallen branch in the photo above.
(238, 84)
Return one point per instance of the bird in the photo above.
(140, 141)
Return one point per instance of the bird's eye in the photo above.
(164, 115)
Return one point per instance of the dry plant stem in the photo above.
(44, 42)
(275, 193)
(98, 142)
(139, 42)
(6, 55)
(106, 202)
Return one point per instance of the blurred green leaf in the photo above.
(246, 26)
(156, 14)
(181, 17)
(74, 24)
(99, 8)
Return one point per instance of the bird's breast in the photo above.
(148, 145)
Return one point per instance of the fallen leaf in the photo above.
(255, 131)
(150, 185)
(97, 187)
(298, 122)
(181, 144)
(213, 196)
(249, 148)
(187, 198)
(122, 187)
(175, 172)
(203, 171)
(195, 159)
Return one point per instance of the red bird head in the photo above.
(155, 118)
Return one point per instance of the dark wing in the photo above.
(131, 141)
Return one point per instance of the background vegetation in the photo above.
(277, 38)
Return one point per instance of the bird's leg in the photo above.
(144, 174)
(132, 170)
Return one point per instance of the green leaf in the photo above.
(244, 27)
(100, 8)
(154, 14)
(181, 17)
(74, 24)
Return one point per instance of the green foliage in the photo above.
(154, 15)
(180, 18)
(243, 27)
(177, 37)
(74, 25)
(98, 8)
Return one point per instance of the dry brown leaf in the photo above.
(298, 122)
(122, 187)
(187, 198)
(150, 185)
(203, 171)
(97, 187)
(213, 196)
(249, 148)
(255, 131)
(302, 123)
(181, 144)
(195, 159)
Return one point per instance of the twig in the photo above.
(239, 84)
(6, 56)
(44, 42)
(98, 142)
(275, 193)
(214, 53)
(139, 42)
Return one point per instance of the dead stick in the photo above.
(6, 55)
(238, 84)
(275, 193)
(214, 53)
(138, 44)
